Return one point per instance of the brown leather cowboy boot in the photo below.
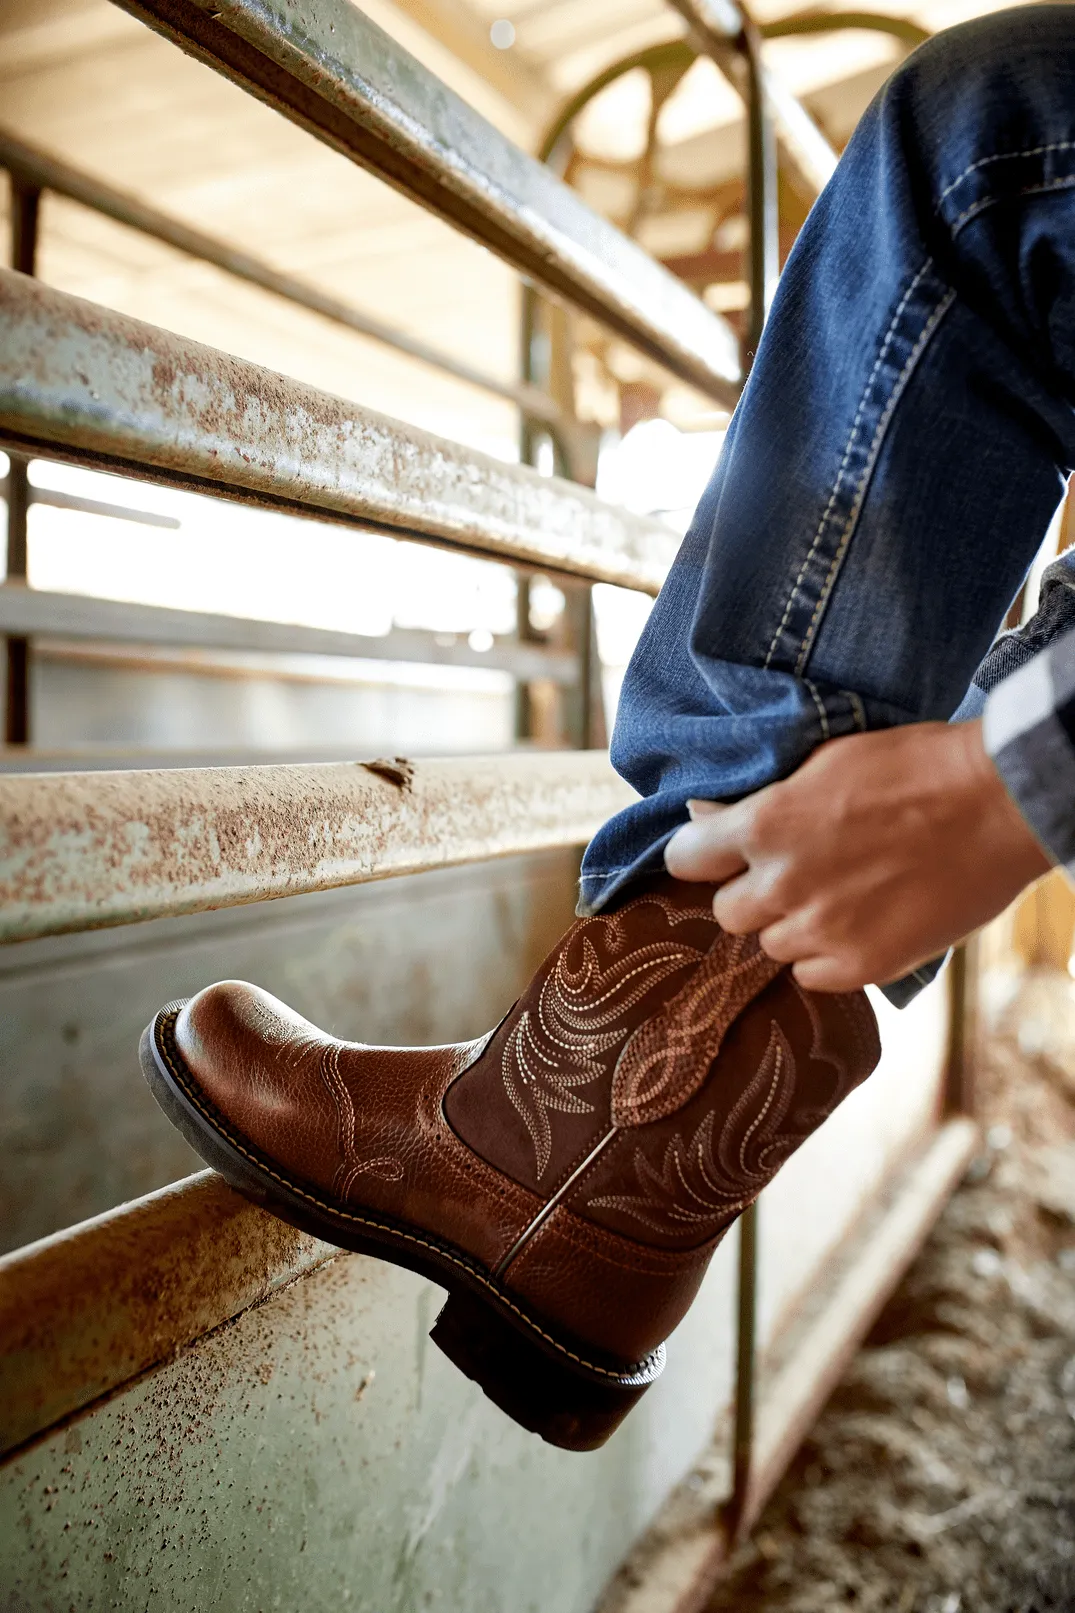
(566, 1177)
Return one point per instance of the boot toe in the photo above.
(252, 1058)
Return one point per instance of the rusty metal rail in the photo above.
(90, 1308)
(83, 851)
(31, 167)
(94, 387)
(335, 73)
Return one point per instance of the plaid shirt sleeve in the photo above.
(1029, 731)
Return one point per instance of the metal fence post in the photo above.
(763, 267)
(25, 211)
(961, 1068)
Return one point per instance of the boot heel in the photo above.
(572, 1405)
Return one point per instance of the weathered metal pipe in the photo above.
(35, 167)
(82, 383)
(56, 500)
(82, 851)
(25, 220)
(90, 1308)
(332, 71)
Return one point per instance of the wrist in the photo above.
(1010, 835)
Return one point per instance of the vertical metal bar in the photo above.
(763, 269)
(961, 1064)
(17, 672)
(762, 200)
(597, 717)
(524, 632)
(585, 725)
(575, 703)
(532, 373)
(25, 213)
(545, 361)
(576, 699)
(745, 1347)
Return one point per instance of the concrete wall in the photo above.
(321, 1454)
(318, 1452)
(807, 1211)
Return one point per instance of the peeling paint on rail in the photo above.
(87, 850)
(97, 388)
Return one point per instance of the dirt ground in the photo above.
(941, 1476)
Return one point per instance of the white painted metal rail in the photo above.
(42, 613)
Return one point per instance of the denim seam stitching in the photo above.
(858, 710)
(826, 732)
(1007, 196)
(815, 545)
(1001, 156)
(867, 470)
(607, 873)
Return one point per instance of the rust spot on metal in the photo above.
(397, 771)
(163, 377)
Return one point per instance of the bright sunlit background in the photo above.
(661, 157)
(240, 562)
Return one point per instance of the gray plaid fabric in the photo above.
(1054, 616)
(1029, 730)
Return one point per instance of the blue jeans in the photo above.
(896, 456)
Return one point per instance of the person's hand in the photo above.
(878, 853)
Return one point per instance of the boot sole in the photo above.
(549, 1383)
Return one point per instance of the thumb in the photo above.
(702, 851)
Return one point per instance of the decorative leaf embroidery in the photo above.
(669, 1056)
(704, 1182)
(580, 1015)
(811, 1118)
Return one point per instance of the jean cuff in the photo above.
(606, 889)
(600, 892)
(906, 989)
